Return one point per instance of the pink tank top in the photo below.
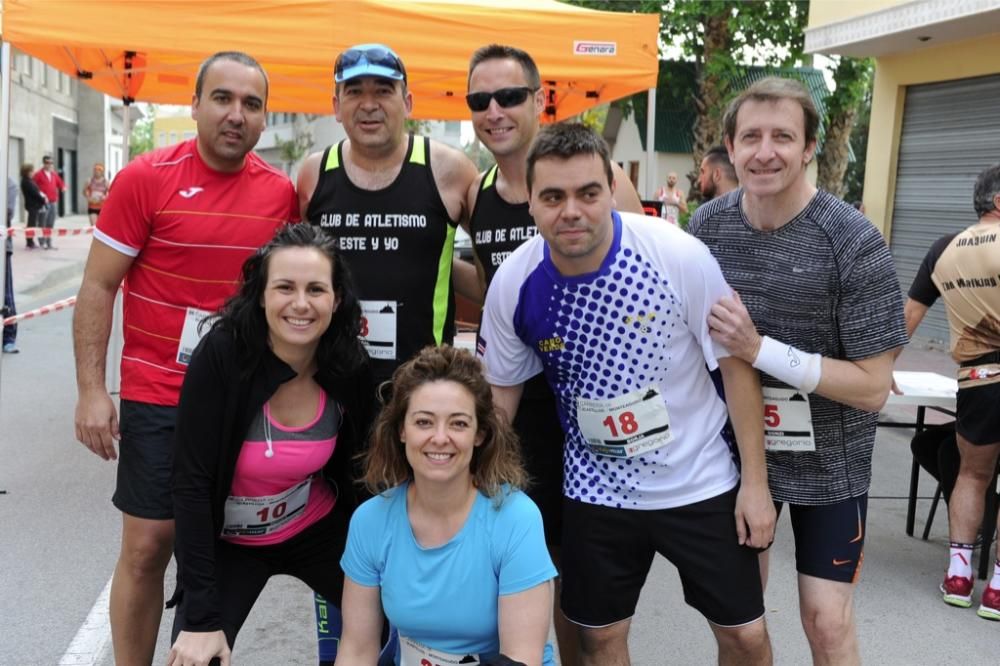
(278, 489)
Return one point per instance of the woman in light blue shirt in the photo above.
(449, 548)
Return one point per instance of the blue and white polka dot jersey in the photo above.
(639, 321)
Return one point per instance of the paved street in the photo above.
(59, 535)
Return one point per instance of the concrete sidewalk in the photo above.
(38, 272)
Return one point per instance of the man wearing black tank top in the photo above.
(506, 100)
(394, 201)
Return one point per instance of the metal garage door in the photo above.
(951, 132)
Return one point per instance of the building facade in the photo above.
(53, 114)
(934, 119)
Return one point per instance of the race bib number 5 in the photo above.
(787, 421)
(626, 426)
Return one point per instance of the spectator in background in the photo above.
(34, 200)
(673, 198)
(96, 191)
(9, 332)
(717, 175)
(51, 184)
(961, 269)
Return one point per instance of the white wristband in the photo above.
(792, 366)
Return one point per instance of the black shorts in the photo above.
(830, 538)
(312, 556)
(145, 460)
(978, 414)
(607, 552)
(93, 211)
(537, 425)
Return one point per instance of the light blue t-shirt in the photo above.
(447, 597)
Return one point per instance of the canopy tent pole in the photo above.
(4, 151)
(651, 177)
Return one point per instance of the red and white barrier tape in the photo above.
(44, 310)
(34, 232)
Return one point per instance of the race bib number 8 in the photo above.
(378, 328)
(787, 421)
(412, 653)
(626, 426)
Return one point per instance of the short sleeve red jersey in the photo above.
(189, 229)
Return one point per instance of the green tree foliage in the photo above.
(476, 152)
(853, 80)
(719, 36)
(141, 139)
(298, 146)
(854, 180)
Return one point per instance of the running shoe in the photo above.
(990, 604)
(957, 591)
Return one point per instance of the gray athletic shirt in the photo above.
(825, 283)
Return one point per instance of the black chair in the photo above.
(936, 451)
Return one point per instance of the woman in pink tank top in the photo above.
(276, 401)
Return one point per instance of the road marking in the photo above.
(91, 643)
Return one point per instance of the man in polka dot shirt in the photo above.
(613, 308)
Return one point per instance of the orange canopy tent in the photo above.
(149, 50)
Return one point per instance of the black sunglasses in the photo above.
(378, 56)
(505, 97)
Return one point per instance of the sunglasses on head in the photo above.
(375, 55)
(505, 97)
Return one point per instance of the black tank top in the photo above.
(498, 228)
(399, 243)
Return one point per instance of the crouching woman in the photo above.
(274, 406)
(449, 548)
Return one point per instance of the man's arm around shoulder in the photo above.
(626, 198)
(863, 384)
(453, 173)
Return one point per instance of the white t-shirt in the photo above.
(637, 324)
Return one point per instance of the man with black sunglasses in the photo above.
(394, 200)
(506, 100)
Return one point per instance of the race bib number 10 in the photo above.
(787, 421)
(258, 516)
(626, 426)
(378, 328)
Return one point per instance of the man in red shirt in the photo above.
(177, 225)
(51, 184)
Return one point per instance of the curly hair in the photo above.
(339, 351)
(496, 462)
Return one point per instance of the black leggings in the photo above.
(312, 556)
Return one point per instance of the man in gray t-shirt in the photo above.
(818, 310)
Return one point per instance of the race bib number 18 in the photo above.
(626, 426)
